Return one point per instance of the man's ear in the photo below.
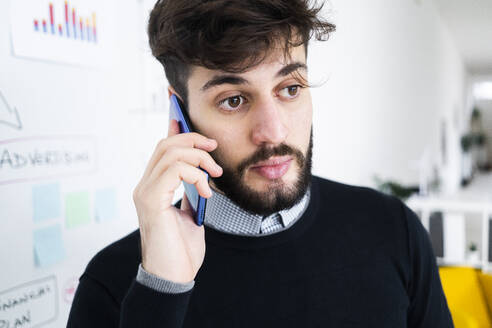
(171, 91)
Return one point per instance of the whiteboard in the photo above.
(82, 106)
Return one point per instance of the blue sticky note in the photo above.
(46, 201)
(105, 204)
(48, 246)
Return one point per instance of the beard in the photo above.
(278, 196)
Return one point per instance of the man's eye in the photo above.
(291, 91)
(232, 103)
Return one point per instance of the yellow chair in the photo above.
(486, 282)
(465, 296)
(464, 320)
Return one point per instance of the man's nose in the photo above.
(269, 127)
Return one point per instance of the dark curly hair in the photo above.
(230, 35)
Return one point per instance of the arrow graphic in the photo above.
(9, 116)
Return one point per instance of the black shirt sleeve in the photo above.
(94, 306)
(146, 307)
(428, 306)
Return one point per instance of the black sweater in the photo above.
(356, 258)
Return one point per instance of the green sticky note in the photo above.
(77, 209)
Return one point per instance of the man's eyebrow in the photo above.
(236, 80)
(292, 67)
(223, 79)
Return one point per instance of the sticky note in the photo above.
(46, 201)
(77, 209)
(48, 246)
(105, 204)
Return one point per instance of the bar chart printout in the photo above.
(74, 32)
(73, 26)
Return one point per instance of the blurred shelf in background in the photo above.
(459, 223)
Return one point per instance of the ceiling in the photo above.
(470, 24)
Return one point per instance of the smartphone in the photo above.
(198, 203)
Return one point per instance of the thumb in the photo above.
(186, 206)
(189, 218)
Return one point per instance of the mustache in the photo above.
(264, 153)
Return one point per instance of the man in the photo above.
(279, 248)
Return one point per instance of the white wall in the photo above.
(393, 72)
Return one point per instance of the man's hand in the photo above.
(173, 246)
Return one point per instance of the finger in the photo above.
(190, 140)
(173, 128)
(170, 179)
(192, 156)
